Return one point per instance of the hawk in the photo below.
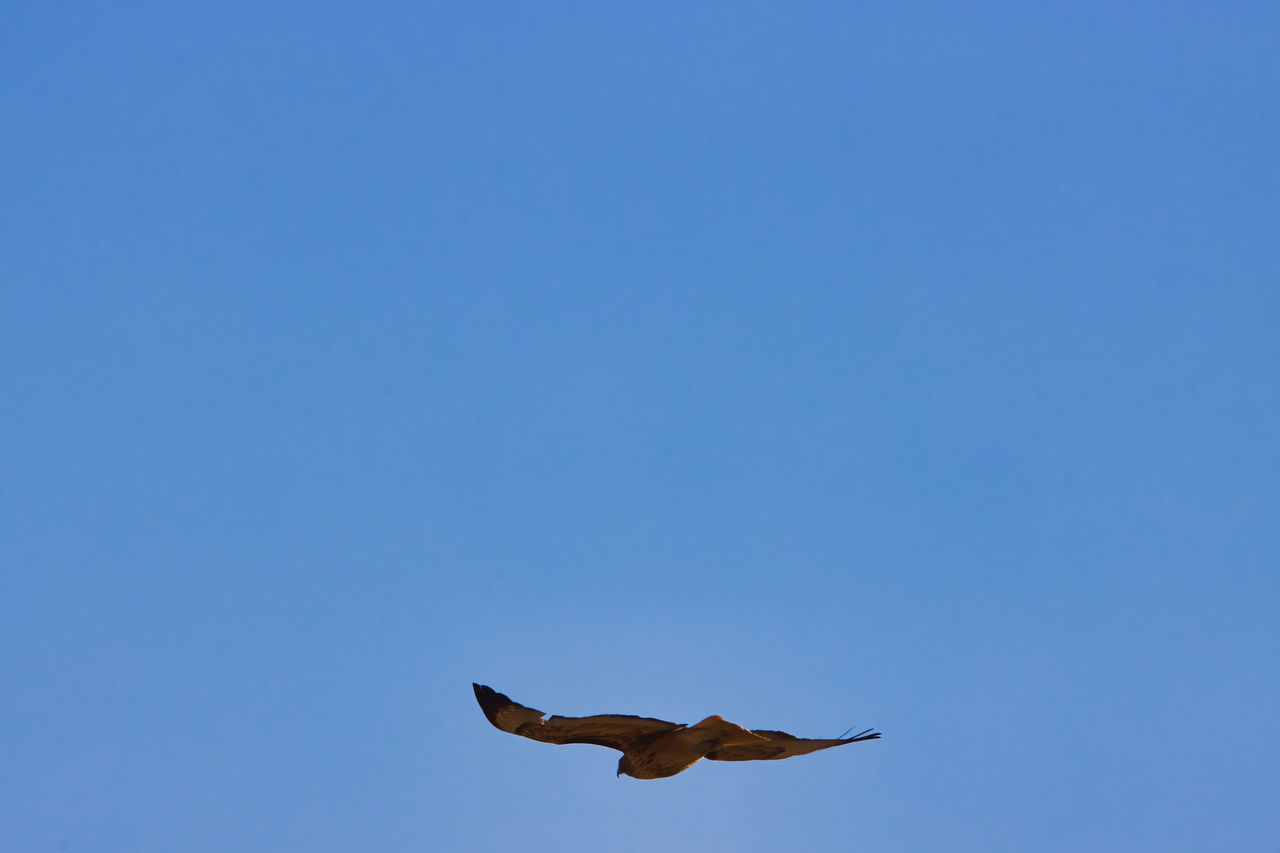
(653, 749)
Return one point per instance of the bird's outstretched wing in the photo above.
(782, 745)
(622, 732)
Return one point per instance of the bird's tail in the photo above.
(725, 732)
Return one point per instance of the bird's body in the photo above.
(652, 748)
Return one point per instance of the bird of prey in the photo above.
(653, 749)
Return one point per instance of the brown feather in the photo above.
(781, 745)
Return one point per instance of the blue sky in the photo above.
(814, 364)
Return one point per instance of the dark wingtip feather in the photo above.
(862, 736)
(491, 701)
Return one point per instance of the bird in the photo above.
(651, 748)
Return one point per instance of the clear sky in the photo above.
(906, 365)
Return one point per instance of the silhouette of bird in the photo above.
(653, 749)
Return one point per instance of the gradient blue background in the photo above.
(814, 364)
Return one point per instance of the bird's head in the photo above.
(624, 766)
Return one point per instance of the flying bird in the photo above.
(653, 749)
